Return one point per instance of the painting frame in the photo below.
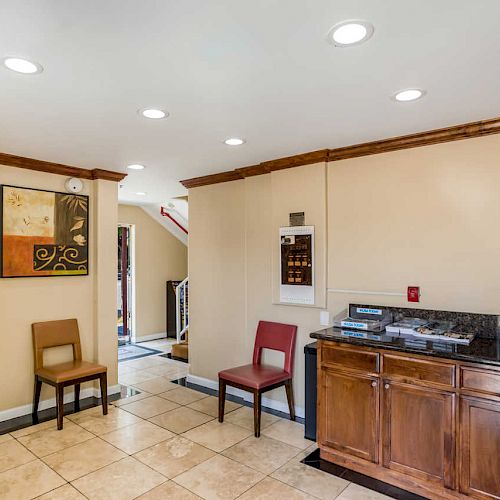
(48, 273)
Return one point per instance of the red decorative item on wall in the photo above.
(413, 294)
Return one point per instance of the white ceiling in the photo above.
(259, 69)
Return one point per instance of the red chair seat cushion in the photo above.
(255, 376)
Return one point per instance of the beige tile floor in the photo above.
(164, 443)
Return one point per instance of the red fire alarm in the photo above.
(413, 294)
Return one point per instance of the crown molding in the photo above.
(60, 169)
(447, 134)
(438, 136)
(231, 175)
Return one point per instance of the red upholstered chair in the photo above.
(259, 378)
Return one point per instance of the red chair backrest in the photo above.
(278, 337)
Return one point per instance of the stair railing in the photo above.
(182, 308)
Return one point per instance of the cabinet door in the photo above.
(480, 448)
(349, 413)
(419, 432)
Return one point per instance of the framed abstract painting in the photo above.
(44, 233)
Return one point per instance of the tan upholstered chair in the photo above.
(58, 333)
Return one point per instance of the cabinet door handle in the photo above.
(374, 384)
(386, 386)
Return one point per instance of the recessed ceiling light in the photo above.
(22, 65)
(234, 141)
(408, 95)
(140, 193)
(153, 113)
(136, 166)
(352, 32)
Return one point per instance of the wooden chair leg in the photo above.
(257, 399)
(104, 393)
(60, 405)
(289, 396)
(77, 397)
(222, 399)
(36, 398)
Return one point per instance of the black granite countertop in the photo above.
(481, 350)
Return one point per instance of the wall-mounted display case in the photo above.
(297, 265)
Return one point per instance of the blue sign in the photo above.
(367, 310)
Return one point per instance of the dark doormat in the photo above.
(134, 351)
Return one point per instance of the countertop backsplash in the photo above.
(483, 325)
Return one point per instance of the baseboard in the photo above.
(273, 404)
(154, 336)
(20, 411)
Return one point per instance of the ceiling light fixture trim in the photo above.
(409, 95)
(234, 141)
(153, 113)
(350, 33)
(136, 166)
(22, 65)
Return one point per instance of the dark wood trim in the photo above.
(107, 175)
(212, 179)
(60, 169)
(428, 138)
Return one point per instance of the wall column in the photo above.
(105, 264)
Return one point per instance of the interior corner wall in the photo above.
(423, 216)
(159, 257)
(233, 257)
(24, 301)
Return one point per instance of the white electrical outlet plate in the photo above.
(324, 318)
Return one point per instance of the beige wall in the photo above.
(422, 217)
(233, 256)
(159, 256)
(91, 299)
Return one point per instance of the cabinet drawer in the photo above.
(485, 381)
(350, 358)
(420, 370)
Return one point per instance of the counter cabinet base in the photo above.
(394, 478)
(425, 424)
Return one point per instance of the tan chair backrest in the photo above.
(53, 334)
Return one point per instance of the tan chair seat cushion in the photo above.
(70, 370)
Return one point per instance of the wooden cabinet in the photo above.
(480, 447)
(418, 432)
(425, 424)
(349, 413)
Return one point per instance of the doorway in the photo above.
(125, 289)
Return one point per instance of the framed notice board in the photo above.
(297, 265)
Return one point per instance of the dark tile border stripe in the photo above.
(234, 399)
(23, 421)
(315, 461)
(150, 352)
